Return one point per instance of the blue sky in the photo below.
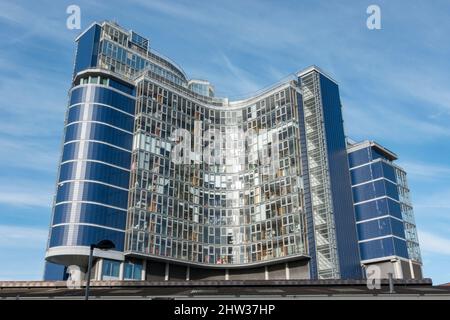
(394, 86)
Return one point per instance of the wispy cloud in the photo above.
(439, 199)
(433, 243)
(22, 237)
(27, 193)
(245, 83)
(426, 171)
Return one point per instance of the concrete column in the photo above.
(144, 270)
(122, 265)
(398, 269)
(411, 268)
(166, 277)
(287, 271)
(98, 269)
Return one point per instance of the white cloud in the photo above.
(27, 193)
(433, 243)
(22, 237)
(434, 200)
(427, 171)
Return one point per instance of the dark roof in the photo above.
(247, 289)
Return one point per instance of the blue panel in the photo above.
(366, 173)
(398, 228)
(104, 96)
(377, 208)
(394, 209)
(377, 248)
(87, 49)
(90, 213)
(372, 209)
(389, 172)
(380, 227)
(376, 155)
(94, 192)
(98, 151)
(55, 272)
(401, 248)
(374, 228)
(102, 113)
(344, 216)
(85, 236)
(129, 89)
(361, 174)
(391, 190)
(100, 132)
(374, 189)
(359, 157)
(97, 172)
(383, 248)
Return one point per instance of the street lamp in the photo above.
(102, 245)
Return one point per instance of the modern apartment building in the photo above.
(190, 186)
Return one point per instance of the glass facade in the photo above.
(187, 184)
(201, 87)
(227, 212)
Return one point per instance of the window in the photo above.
(93, 80)
(110, 270)
(132, 271)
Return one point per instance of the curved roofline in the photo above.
(299, 256)
(227, 106)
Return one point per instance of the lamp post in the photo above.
(102, 245)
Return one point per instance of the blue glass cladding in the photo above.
(98, 151)
(87, 49)
(373, 171)
(95, 171)
(359, 157)
(55, 272)
(90, 213)
(383, 248)
(103, 96)
(122, 87)
(364, 156)
(344, 215)
(377, 208)
(94, 192)
(389, 172)
(379, 228)
(366, 173)
(100, 132)
(375, 189)
(102, 113)
(84, 236)
(401, 249)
